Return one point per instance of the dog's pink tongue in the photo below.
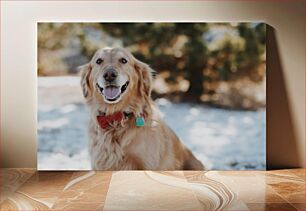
(111, 92)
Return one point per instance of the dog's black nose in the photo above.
(110, 75)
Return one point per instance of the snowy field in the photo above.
(221, 139)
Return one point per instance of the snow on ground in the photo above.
(221, 139)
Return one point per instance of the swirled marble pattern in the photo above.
(11, 179)
(27, 189)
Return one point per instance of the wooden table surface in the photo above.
(28, 189)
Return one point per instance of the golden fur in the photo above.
(125, 146)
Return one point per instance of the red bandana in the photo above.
(105, 121)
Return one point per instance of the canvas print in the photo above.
(151, 96)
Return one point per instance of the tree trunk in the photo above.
(196, 63)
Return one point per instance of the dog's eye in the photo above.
(123, 60)
(99, 61)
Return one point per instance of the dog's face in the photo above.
(113, 74)
(111, 70)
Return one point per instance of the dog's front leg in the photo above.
(132, 162)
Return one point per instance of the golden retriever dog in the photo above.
(126, 131)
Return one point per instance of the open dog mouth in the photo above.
(112, 92)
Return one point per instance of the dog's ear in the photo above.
(85, 80)
(145, 77)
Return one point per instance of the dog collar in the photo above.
(106, 121)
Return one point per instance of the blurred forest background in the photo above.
(221, 64)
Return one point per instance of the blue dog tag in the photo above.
(140, 121)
